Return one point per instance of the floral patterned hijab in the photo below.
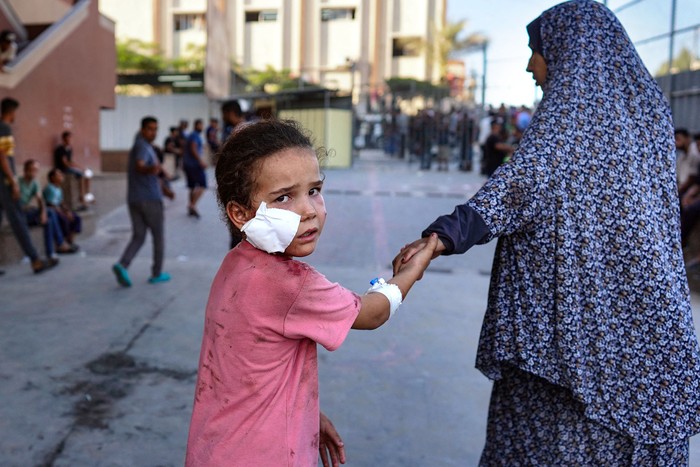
(533, 30)
(588, 287)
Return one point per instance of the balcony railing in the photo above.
(41, 47)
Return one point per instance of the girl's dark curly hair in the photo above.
(240, 159)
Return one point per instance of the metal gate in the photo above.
(683, 92)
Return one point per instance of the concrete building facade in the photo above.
(345, 44)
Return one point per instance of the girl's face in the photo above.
(291, 180)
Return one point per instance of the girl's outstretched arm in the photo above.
(375, 309)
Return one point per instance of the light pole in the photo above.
(483, 76)
(671, 75)
(481, 46)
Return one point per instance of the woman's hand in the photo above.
(330, 446)
(410, 249)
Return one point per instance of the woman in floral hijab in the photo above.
(588, 334)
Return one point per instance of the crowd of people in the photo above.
(428, 135)
(148, 181)
(442, 137)
(26, 204)
(499, 135)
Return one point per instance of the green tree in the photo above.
(684, 61)
(445, 43)
(270, 80)
(193, 59)
(136, 56)
(409, 88)
(448, 41)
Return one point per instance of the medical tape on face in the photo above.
(390, 291)
(272, 230)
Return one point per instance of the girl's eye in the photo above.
(315, 191)
(282, 199)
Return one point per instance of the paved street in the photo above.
(96, 375)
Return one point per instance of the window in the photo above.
(259, 16)
(332, 14)
(184, 22)
(405, 47)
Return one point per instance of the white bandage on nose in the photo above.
(271, 229)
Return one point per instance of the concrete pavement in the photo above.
(97, 375)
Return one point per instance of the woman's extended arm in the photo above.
(457, 232)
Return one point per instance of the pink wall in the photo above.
(4, 23)
(66, 92)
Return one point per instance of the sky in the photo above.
(504, 22)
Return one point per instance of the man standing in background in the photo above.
(194, 166)
(9, 188)
(231, 115)
(213, 143)
(145, 200)
(63, 161)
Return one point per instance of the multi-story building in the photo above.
(174, 25)
(344, 44)
(338, 43)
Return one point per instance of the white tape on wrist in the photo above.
(390, 291)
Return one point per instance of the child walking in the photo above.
(256, 399)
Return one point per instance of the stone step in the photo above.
(10, 251)
(109, 189)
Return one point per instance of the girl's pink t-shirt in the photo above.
(256, 400)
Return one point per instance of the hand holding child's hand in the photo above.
(417, 255)
(427, 249)
(330, 446)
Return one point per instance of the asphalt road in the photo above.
(96, 375)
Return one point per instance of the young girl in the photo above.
(256, 400)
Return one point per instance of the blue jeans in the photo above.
(52, 229)
(16, 219)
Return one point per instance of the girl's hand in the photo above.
(410, 249)
(419, 262)
(330, 446)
